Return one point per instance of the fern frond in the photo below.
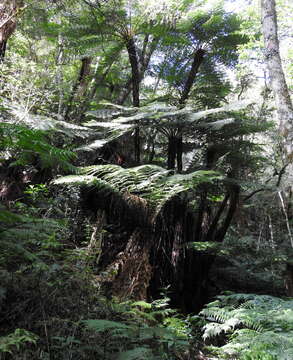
(138, 353)
(150, 182)
(258, 324)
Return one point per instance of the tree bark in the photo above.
(172, 147)
(233, 203)
(2, 50)
(143, 66)
(132, 54)
(179, 152)
(8, 12)
(83, 77)
(80, 86)
(277, 77)
(197, 61)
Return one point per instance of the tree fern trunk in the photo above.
(80, 87)
(143, 64)
(172, 150)
(233, 203)
(2, 50)
(197, 60)
(179, 152)
(198, 57)
(132, 54)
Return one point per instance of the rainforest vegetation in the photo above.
(146, 171)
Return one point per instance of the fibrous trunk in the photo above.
(132, 54)
(80, 87)
(198, 57)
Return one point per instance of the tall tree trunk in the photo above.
(59, 74)
(144, 61)
(83, 79)
(132, 54)
(277, 77)
(233, 203)
(172, 146)
(80, 87)
(198, 57)
(8, 13)
(179, 151)
(282, 99)
(2, 50)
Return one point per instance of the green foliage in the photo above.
(34, 255)
(27, 145)
(256, 326)
(148, 328)
(15, 341)
(151, 182)
(251, 258)
(139, 353)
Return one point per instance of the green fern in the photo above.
(103, 325)
(25, 144)
(254, 324)
(17, 340)
(138, 353)
(150, 182)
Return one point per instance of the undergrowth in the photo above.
(51, 306)
(249, 327)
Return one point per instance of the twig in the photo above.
(286, 217)
(281, 173)
(253, 193)
(14, 14)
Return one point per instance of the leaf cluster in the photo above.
(255, 326)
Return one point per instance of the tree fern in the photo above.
(255, 324)
(150, 182)
(25, 144)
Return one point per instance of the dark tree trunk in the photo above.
(137, 74)
(132, 54)
(9, 10)
(172, 147)
(200, 215)
(80, 87)
(197, 61)
(143, 66)
(2, 50)
(233, 203)
(213, 227)
(179, 152)
(125, 93)
(83, 78)
(289, 280)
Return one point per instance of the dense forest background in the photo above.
(146, 170)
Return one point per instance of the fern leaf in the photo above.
(139, 353)
(103, 325)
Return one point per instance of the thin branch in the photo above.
(14, 14)
(281, 173)
(253, 193)
(286, 217)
